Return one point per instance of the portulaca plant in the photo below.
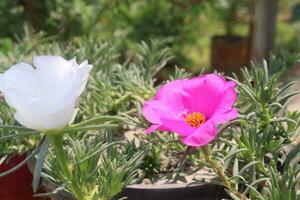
(254, 156)
(44, 98)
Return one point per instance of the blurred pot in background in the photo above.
(230, 52)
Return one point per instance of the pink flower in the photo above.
(192, 108)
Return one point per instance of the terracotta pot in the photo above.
(229, 54)
(17, 185)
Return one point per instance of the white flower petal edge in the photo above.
(44, 95)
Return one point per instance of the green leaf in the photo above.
(291, 155)
(283, 119)
(235, 170)
(283, 99)
(20, 128)
(96, 120)
(39, 164)
(255, 183)
(259, 196)
(7, 137)
(246, 167)
(233, 196)
(103, 148)
(249, 92)
(284, 88)
(234, 153)
(95, 127)
(266, 72)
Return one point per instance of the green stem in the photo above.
(66, 169)
(220, 172)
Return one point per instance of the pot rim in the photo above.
(228, 37)
(169, 186)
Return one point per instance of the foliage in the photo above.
(13, 23)
(281, 185)
(228, 12)
(110, 103)
(130, 21)
(250, 157)
(101, 168)
(257, 155)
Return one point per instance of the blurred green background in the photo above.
(185, 25)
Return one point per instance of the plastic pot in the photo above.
(17, 185)
(175, 192)
(160, 192)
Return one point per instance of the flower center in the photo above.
(195, 119)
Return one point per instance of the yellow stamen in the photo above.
(195, 119)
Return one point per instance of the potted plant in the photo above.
(250, 160)
(229, 52)
(51, 119)
(17, 144)
(244, 155)
(118, 94)
(168, 163)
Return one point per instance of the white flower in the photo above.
(44, 95)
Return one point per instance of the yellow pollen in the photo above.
(195, 119)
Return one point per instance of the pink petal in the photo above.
(204, 93)
(154, 110)
(152, 128)
(226, 101)
(202, 136)
(230, 84)
(224, 117)
(178, 126)
(170, 95)
(209, 94)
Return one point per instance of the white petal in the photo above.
(61, 118)
(74, 115)
(45, 98)
(53, 102)
(53, 72)
(29, 121)
(77, 85)
(46, 62)
(73, 61)
(17, 84)
(14, 99)
(59, 109)
(20, 77)
(34, 119)
(68, 95)
(82, 75)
